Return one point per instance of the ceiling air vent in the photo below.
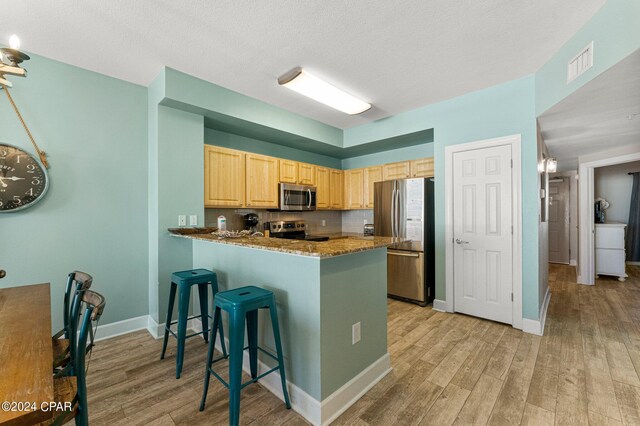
(580, 63)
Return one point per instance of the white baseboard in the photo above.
(573, 262)
(343, 398)
(633, 263)
(439, 305)
(316, 412)
(537, 326)
(118, 328)
(157, 330)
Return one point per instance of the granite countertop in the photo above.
(323, 249)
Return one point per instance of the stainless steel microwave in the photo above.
(297, 197)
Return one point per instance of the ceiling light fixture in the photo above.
(308, 85)
(552, 165)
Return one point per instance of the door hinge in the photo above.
(512, 164)
(512, 297)
(511, 229)
(428, 291)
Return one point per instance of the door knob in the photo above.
(2, 273)
(459, 241)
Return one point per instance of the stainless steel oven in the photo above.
(297, 197)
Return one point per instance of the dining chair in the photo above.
(77, 283)
(72, 389)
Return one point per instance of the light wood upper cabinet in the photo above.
(224, 177)
(399, 170)
(262, 181)
(422, 167)
(288, 171)
(336, 194)
(323, 185)
(354, 189)
(306, 174)
(371, 176)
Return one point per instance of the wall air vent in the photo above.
(580, 63)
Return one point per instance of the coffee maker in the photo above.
(251, 222)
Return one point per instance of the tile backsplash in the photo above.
(235, 219)
(353, 220)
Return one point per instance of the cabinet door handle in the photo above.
(3, 273)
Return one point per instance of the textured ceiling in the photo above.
(396, 55)
(595, 117)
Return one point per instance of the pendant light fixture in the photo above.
(319, 90)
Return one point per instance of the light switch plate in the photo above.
(193, 220)
(182, 220)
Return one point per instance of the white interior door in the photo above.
(559, 221)
(483, 233)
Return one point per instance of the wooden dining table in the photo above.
(26, 380)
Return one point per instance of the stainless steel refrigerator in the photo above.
(403, 208)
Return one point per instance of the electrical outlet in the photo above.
(355, 333)
(365, 221)
(182, 220)
(193, 220)
(324, 222)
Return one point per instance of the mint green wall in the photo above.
(400, 154)
(94, 217)
(502, 110)
(229, 140)
(178, 188)
(353, 288)
(615, 31)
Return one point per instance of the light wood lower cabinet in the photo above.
(401, 170)
(371, 176)
(323, 185)
(354, 189)
(288, 171)
(224, 177)
(422, 167)
(306, 174)
(262, 181)
(336, 194)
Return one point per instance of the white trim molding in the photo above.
(440, 305)
(516, 178)
(586, 237)
(537, 326)
(118, 328)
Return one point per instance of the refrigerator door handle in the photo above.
(402, 253)
(393, 210)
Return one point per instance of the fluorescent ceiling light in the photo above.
(306, 84)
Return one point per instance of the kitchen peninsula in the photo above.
(329, 294)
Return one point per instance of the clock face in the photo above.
(23, 181)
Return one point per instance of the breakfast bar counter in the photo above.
(333, 247)
(332, 304)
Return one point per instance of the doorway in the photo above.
(483, 232)
(559, 220)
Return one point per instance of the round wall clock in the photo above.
(23, 180)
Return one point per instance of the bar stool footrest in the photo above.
(243, 385)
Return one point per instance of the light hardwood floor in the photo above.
(447, 369)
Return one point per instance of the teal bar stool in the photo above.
(183, 281)
(243, 303)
